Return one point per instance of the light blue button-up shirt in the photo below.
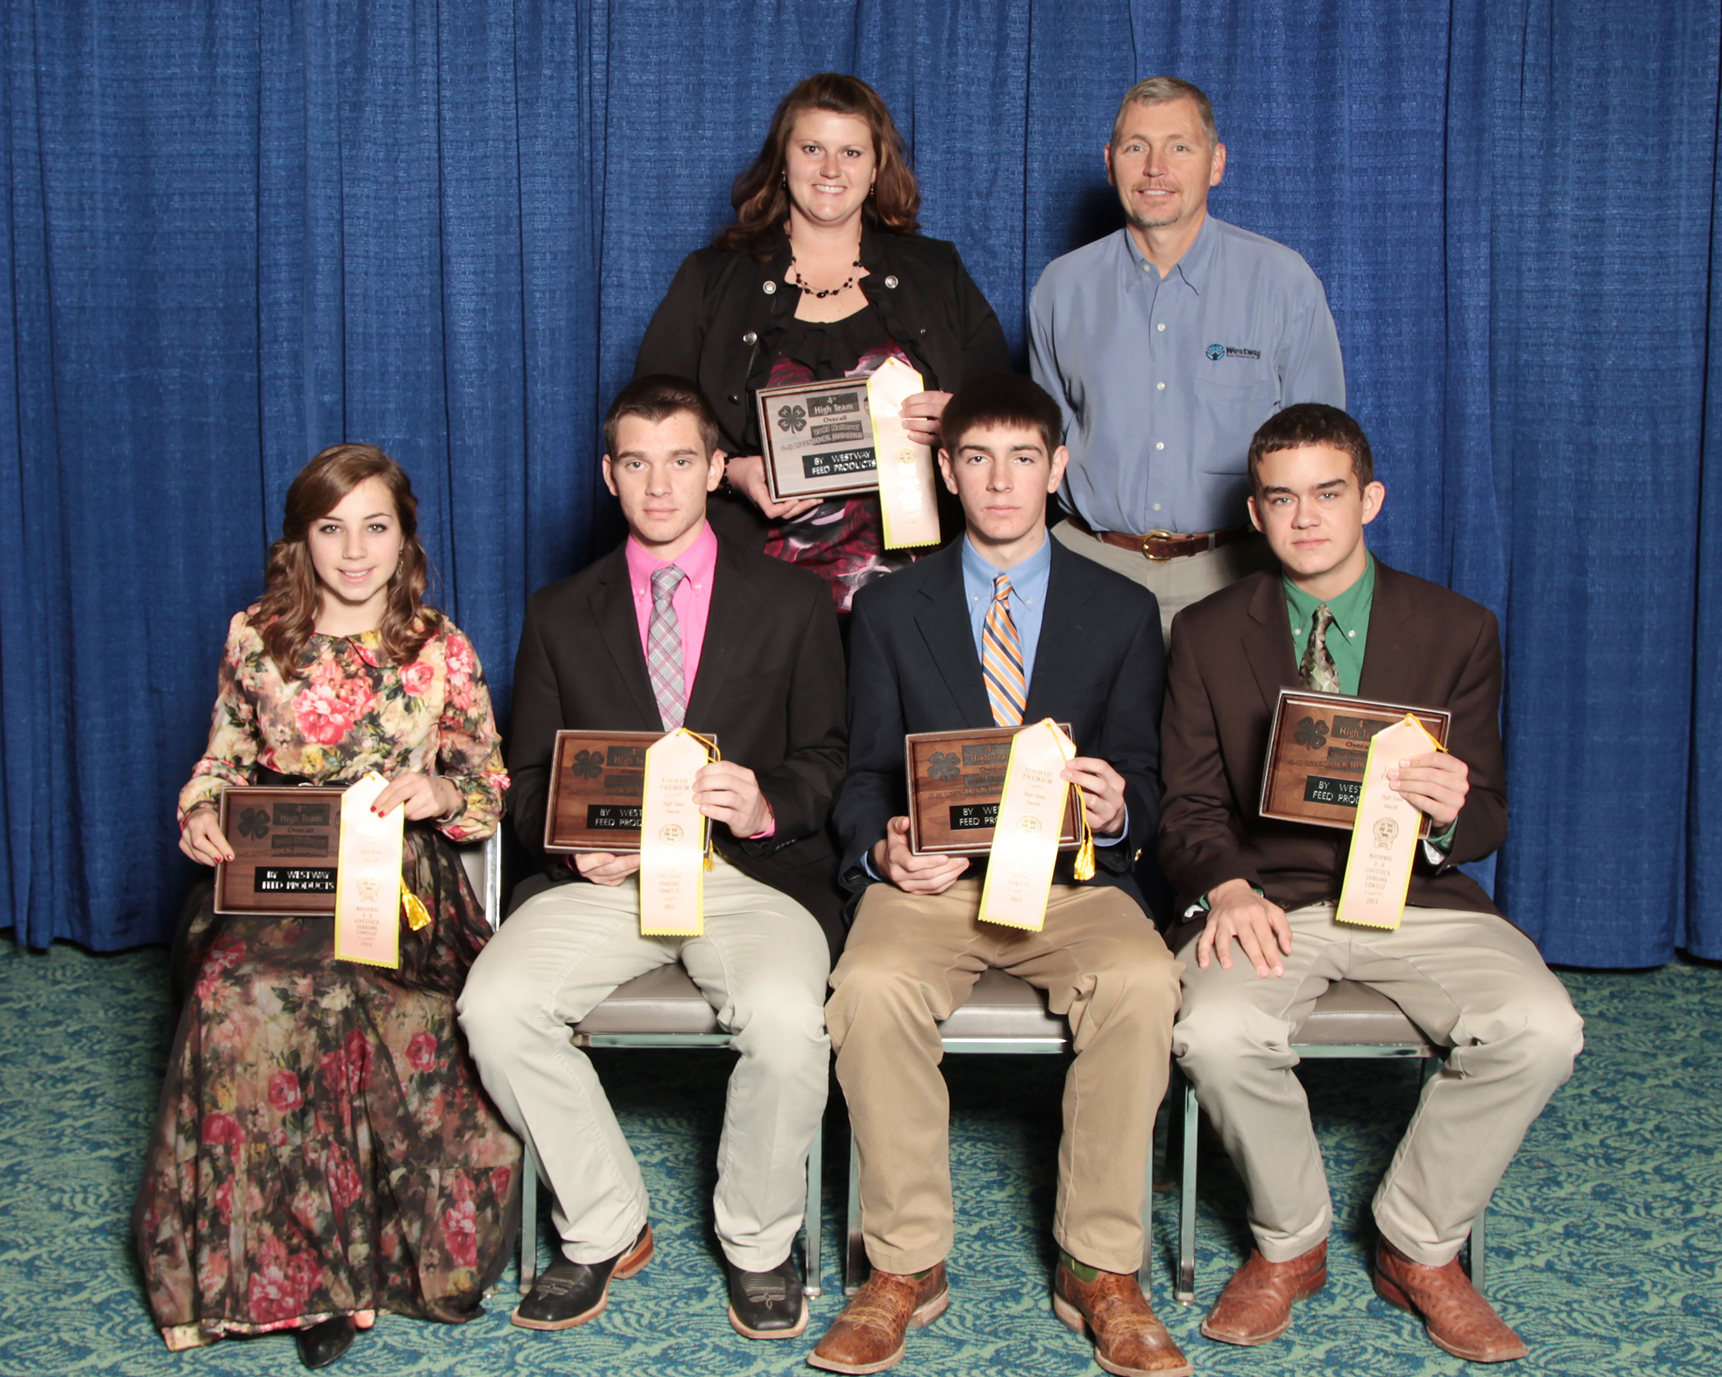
(1163, 381)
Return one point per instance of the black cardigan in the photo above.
(720, 321)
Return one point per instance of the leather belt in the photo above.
(1160, 546)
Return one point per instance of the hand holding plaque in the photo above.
(597, 784)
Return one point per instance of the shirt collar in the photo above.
(1027, 580)
(697, 561)
(1193, 267)
(1350, 609)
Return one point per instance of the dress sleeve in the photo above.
(470, 749)
(231, 756)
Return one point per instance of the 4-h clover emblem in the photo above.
(254, 822)
(588, 764)
(1311, 732)
(792, 418)
(943, 765)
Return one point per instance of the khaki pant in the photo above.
(1175, 583)
(761, 964)
(910, 961)
(1470, 980)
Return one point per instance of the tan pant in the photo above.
(910, 961)
(1470, 980)
(761, 964)
(1175, 583)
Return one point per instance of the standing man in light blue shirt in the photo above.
(1166, 345)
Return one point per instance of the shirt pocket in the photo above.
(1230, 403)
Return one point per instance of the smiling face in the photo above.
(1003, 475)
(1310, 507)
(1163, 164)
(355, 550)
(661, 473)
(830, 162)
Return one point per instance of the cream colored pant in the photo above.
(910, 961)
(1471, 981)
(761, 964)
(1175, 583)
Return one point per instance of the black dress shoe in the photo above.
(322, 1343)
(767, 1305)
(570, 1293)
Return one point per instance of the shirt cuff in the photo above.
(770, 828)
(1437, 848)
(1123, 831)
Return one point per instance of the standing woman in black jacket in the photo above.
(821, 276)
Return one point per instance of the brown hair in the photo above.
(658, 397)
(292, 596)
(1162, 90)
(1312, 423)
(1001, 399)
(760, 198)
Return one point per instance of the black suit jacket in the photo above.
(913, 668)
(769, 687)
(1232, 653)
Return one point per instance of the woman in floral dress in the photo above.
(323, 1148)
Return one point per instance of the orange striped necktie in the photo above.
(1001, 659)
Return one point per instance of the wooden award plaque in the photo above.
(597, 788)
(956, 780)
(1316, 752)
(817, 439)
(285, 845)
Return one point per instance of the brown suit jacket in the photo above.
(1230, 656)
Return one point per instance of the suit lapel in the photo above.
(950, 639)
(1063, 639)
(1267, 640)
(1392, 668)
(612, 603)
(727, 621)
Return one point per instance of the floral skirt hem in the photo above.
(181, 1337)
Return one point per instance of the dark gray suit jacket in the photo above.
(913, 668)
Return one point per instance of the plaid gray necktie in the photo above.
(664, 648)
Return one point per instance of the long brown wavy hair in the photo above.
(292, 597)
(760, 198)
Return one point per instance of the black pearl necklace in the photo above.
(802, 282)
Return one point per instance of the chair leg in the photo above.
(812, 1224)
(528, 1221)
(1187, 1122)
(1145, 1273)
(1477, 1250)
(854, 1250)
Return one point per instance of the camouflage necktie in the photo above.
(1317, 669)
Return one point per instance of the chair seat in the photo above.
(660, 1001)
(1004, 1006)
(1352, 1014)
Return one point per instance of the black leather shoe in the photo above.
(322, 1343)
(767, 1305)
(570, 1293)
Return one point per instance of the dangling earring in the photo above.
(786, 181)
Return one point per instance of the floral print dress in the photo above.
(323, 1146)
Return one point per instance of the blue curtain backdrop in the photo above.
(235, 234)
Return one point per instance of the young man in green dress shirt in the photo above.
(1338, 620)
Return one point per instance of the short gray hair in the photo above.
(1158, 91)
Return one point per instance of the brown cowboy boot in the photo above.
(868, 1335)
(1455, 1316)
(1256, 1304)
(1129, 1339)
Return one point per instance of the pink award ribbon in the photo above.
(672, 838)
(1025, 837)
(1384, 838)
(908, 505)
(368, 878)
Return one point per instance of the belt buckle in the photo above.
(1157, 535)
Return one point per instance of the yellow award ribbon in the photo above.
(1025, 838)
(673, 851)
(1384, 836)
(908, 504)
(368, 878)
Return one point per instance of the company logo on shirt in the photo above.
(1229, 351)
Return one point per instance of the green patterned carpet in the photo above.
(1605, 1244)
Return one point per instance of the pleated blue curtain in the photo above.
(238, 234)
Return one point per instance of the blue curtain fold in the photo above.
(236, 234)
